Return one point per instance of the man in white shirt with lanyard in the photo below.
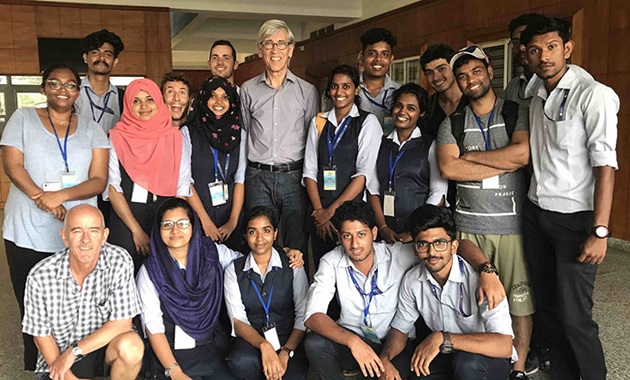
(573, 134)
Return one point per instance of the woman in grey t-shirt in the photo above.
(55, 161)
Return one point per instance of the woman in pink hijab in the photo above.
(149, 161)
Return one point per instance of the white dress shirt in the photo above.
(438, 186)
(150, 299)
(564, 152)
(369, 141)
(234, 302)
(391, 260)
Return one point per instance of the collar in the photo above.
(290, 77)
(275, 261)
(387, 84)
(85, 83)
(63, 264)
(332, 117)
(454, 276)
(414, 135)
(381, 255)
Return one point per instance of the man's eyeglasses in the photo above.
(182, 224)
(281, 45)
(439, 245)
(56, 85)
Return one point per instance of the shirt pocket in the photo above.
(567, 133)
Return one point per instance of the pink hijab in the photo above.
(150, 151)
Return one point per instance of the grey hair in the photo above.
(272, 26)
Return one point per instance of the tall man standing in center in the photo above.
(277, 108)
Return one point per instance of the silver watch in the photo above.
(169, 370)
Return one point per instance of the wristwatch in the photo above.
(77, 352)
(169, 370)
(289, 351)
(447, 346)
(488, 267)
(601, 232)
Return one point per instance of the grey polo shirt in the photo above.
(106, 105)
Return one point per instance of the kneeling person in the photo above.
(91, 283)
(469, 340)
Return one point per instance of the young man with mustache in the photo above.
(486, 162)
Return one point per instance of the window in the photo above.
(500, 55)
(405, 70)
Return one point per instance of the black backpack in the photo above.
(509, 113)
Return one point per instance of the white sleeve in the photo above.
(322, 289)
(185, 176)
(600, 121)
(438, 186)
(300, 294)
(406, 311)
(151, 315)
(226, 255)
(114, 174)
(239, 177)
(233, 300)
(310, 152)
(369, 137)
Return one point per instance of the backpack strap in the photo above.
(510, 116)
(320, 122)
(457, 128)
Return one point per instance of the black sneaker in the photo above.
(518, 375)
(537, 359)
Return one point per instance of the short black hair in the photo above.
(413, 89)
(351, 72)
(464, 59)
(224, 43)
(260, 211)
(97, 39)
(524, 19)
(354, 211)
(374, 35)
(437, 51)
(172, 76)
(59, 66)
(173, 204)
(544, 25)
(430, 216)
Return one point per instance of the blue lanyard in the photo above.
(105, 102)
(334, 141)
(561, 114)
(486, 137)
(373, 292)
(461, 292)
(64, 150)
(266, 306)
(369, 98)
(392, 166)
(217, 167)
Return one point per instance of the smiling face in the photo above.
(222, 63)
(357, 240)
(84, 234)
(376, 59)
(176, 99)
(436, 262)
(343, 91)
(406, 111)
(176, 238)
(474, 79)
(276, 60)
(219, 103)
(547, 55)
(260, 235)
(101, 61)
(61, 98)
(144, 107)
(439, 75)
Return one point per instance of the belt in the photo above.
(281, 168)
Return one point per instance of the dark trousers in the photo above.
(21, 261)
(466, 366)
(284, 193)
(319, 248)
(563, 288)
(245, 362)
(329, 358)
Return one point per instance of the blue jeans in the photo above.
(462, 365)
(284, 193)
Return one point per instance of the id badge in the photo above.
(217, 193)
(330, 178)
(388, 203)
(271, 335)
(183, 341)
(370, 333)
(139, 194)
(68, 179)
(490, 183)
(51, 186)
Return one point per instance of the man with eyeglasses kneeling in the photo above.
(470, 340)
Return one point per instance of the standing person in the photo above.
(276, 108)
(79, 305)
(176, 94)
(55, 161)
(149, 161)
(218, 161)
(222, 61)
(407, 171)
(484, 149)
(377, 88)
(339, 158)
(266, 295)
(573, 138)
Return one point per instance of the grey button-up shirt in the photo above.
(97, 107)
(381, 105)
(277, 120)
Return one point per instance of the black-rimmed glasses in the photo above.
(439, 245)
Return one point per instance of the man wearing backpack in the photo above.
(483, 148)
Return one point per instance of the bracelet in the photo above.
(488, 267)
(381, 227)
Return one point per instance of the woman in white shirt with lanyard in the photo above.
(55, 161)
(218, 161)
(340, 157)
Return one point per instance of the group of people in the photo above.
(443, 229)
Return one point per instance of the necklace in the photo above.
(61, 122)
